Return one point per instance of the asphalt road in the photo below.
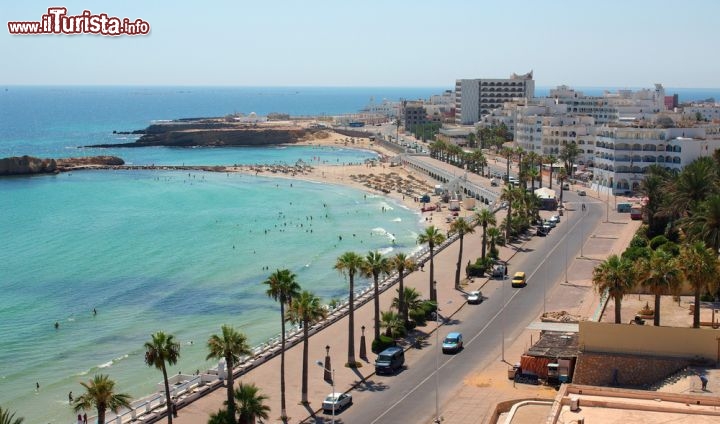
(410, 396)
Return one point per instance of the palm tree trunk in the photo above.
(101, 415)
(459, 262)
(168, 401)
(401, 298)
(484, 241)
(656, 317)
(230, 386)
(306, 342)
(550, 186)
(351, 323)
(283, 411)
(696, 309)
(377, 307)
(618, 308)
(433, 292)
(507, 225)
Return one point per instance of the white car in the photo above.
(339, 400)
(475, 297)
(555, 219)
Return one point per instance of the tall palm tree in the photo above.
(615, 276)
(161, 349)
(661, 275)
(100, 394)
(374, 265)
(484, 217)
(250, 404)
(704, 222)
(562, 176)
(306, 309)
(230, 346)
(401, 263)
(432, 236)
(507, 154)
(652, 187)
(7, 418)
(393, 324)
(493, 235)
(221, 417)
(699, 265)
(509, 194)
(283, 288)
(460, 226)
(550, 159)
(410, 297)
(349, 264)
(695, 183)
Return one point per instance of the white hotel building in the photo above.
(475, 98)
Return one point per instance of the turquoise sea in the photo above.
(157, 250)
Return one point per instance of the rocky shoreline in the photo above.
(29, 165)
(216, 133)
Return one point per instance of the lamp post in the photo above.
(363, 349)
(332, 383)
(437, 360)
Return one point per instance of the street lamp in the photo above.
(437, 358)
(332, 384)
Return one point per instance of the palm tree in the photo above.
(704, 222)
(411, 298)
(432, 236)
(161, 349)
(460, 226)
(695, 183)
(375, 264)
(230, 346)
(699, 266)
(507, 154)
(100, 394)
(306, 309)
(349, 264)
(401, 263)
(221, 417)
(250, 403)
(615, 276)
(550, 159)
(393, 324)
(283, 288)
(508, 194)
(653, 188)
(484, 217)
(493, 235)
(661, 275)
(7, 418)
(562, 176)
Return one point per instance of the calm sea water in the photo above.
(173, 251)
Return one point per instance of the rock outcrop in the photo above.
(28, 165)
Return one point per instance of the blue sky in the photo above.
(629, 43)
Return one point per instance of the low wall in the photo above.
(611, 369)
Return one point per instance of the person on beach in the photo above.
(84, 418)
(703, 381)
(70, 399)
(79, 421)
(57, 325)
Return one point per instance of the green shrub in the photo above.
(382, 343)
(638, 241)
(657, 241)
(418, 316)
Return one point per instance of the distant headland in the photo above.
(28, 165)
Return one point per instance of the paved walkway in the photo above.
(475, 400)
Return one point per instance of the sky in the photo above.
(609, 43)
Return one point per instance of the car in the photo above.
(390, 360)
(519, 279)
(338, 401)
(543, 230)
(549, 223)
(452, 343)
(566, 186)
(475, 297)
(494, 182)
(582, 193)
(498, 271)
(555, 219)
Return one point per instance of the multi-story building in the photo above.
(623, 154)
(414, 113)
(475, 98)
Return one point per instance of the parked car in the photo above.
(555, 219)
(543, 230)
(549, 223)
(339, 400)
(474, 297)
(452, 343)
(582, 193)
(498, 271)
(390, 360)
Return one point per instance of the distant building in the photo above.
(414, 113)
(475, 98)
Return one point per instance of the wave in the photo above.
(397, 219)
(386, 250)
(383, 232)
(107, 364)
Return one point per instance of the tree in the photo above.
(100, 394)
(652, 187)
(568, 154)
(250, 404)
(282, 288)
(7, 418)
(484, 217)
(695, 183)
(460, 227)
(432, 236)
(493, 236)
(401, 263)
(550, 159)
(374, 265)
(393, 324)
(230, 346)
(704, 222)
(349, 264)
(660, 275)
(699, 266)
(562, 176)
(615, 276)
(507, 154)
(508, 195)
(306, 309)
(221, 417)
(161, 349)
(410, 298)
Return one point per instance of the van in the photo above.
(390, 360)
(518, 279)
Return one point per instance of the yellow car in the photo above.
(518, 279)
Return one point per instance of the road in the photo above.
(410, 396)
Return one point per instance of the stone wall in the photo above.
(598, 369)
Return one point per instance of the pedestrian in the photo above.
(70, 399)
(79, 421)
(704, 381)
(85, 418)
(174, 410)
(37, 385)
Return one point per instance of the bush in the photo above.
(634, 253)
(657, 241)
(428, 307)
(638, 241)
(382, 343)
(418, 316)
